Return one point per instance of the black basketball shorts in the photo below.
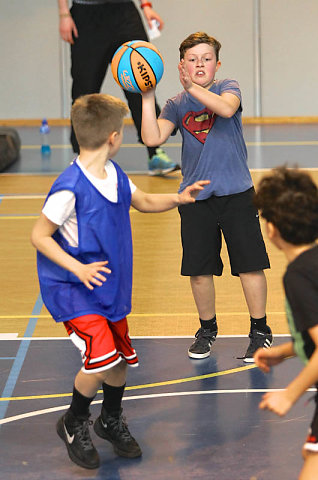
(202, 226)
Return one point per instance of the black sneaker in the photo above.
(258, 340)
(115, 430)
(201, 347)
(78, 441)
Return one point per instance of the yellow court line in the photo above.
(286, 143)
(34, 217)
(141, 315)
(174, 145)
(138, 387)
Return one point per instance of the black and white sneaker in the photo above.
(258, 340)
(115, 430)
(201, 347)
(77, 439)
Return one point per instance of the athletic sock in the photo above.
(112, 398)
(258, 324)
(79, 406)
(209, 324)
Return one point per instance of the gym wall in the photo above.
(35, 64)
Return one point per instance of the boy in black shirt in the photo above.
(288, 201)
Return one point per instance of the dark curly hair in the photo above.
(288, 198)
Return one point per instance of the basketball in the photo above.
(137, 66)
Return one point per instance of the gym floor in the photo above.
(193, 419)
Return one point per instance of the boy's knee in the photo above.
(256, 273)
(118, 371)
(200, 279)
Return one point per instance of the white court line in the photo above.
(145, 397)
(134, 337)
(8, 336)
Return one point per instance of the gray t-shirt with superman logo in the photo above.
(213, 148)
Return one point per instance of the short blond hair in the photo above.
(95, 117)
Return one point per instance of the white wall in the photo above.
(289, 57)
(32, 53)
(29, 71)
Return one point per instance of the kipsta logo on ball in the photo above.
(137, 66)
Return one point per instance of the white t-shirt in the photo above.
(60, 207)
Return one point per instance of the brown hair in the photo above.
(95, 117)
(288, 198)
(195, 39)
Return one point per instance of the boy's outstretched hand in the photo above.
(191, 192)
(184, 76)
(277, 402)
(265, 358)
(90, 273)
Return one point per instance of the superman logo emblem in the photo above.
(199, 123)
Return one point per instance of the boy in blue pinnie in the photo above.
(208, 115)
(83, 238)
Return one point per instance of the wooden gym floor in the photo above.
(194, 419)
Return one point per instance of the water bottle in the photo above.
(44, 132)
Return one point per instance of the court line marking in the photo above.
(32, 216)
(186, 314)
(133, 337)
(13, 196)
(26, 196)
(139, 387)
(9, 336)
(130, 172)
(286, 143)
(35, 413)
(19, 217)
(20, 357)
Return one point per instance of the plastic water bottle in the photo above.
(44, 132)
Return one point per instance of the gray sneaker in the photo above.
(201, 347)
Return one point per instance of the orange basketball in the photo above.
(137, 66)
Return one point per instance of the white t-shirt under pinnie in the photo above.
(60, 207)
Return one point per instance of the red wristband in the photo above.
(146, 4)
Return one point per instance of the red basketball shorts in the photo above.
(103, 344)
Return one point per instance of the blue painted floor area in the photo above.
(267, 146)
(203, 428)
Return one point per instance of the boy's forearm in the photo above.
(150, 131)
(212, 101)
(307, 377)
(158, 202)
(48, 247)
(285, 350)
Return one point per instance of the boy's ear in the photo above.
(112, 137)
(271, 230)
(218, 64)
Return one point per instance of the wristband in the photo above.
(146, 4)
(63, 15)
